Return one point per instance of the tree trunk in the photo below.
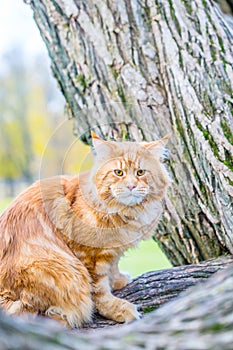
(227, 8)
(201, 319)
(133, 69)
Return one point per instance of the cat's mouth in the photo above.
(129, 198)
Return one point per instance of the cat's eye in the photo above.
(140, 172)
(118, 172)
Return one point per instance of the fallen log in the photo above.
(200, 318)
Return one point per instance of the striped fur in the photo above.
(62, 238)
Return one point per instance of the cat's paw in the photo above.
(121, 281)
(117, 310)
(126, 312)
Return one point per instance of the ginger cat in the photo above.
(62, 238)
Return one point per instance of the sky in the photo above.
(19, 30)
(17, 26)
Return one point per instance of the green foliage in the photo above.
(15, 150)
(147, 257)
(26, 122)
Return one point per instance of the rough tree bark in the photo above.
(226, 7)
(199, 319)
(153, 289)
(138, 69)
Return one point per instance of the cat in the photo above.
(62, 238)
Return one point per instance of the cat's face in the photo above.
(128, 173)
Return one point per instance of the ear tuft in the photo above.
(96, 140)
(158, 148)
(93, 135)
(102, 148)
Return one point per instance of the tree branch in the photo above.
(201, 312)
(153, 289)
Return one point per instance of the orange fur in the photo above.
(62, 238)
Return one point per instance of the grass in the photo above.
(147, 257)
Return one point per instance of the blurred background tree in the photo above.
(15, 139)
(32, 123)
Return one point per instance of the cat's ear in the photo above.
(96, 140)
(101, 147)
(158, 148)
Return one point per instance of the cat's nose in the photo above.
(131, 187)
